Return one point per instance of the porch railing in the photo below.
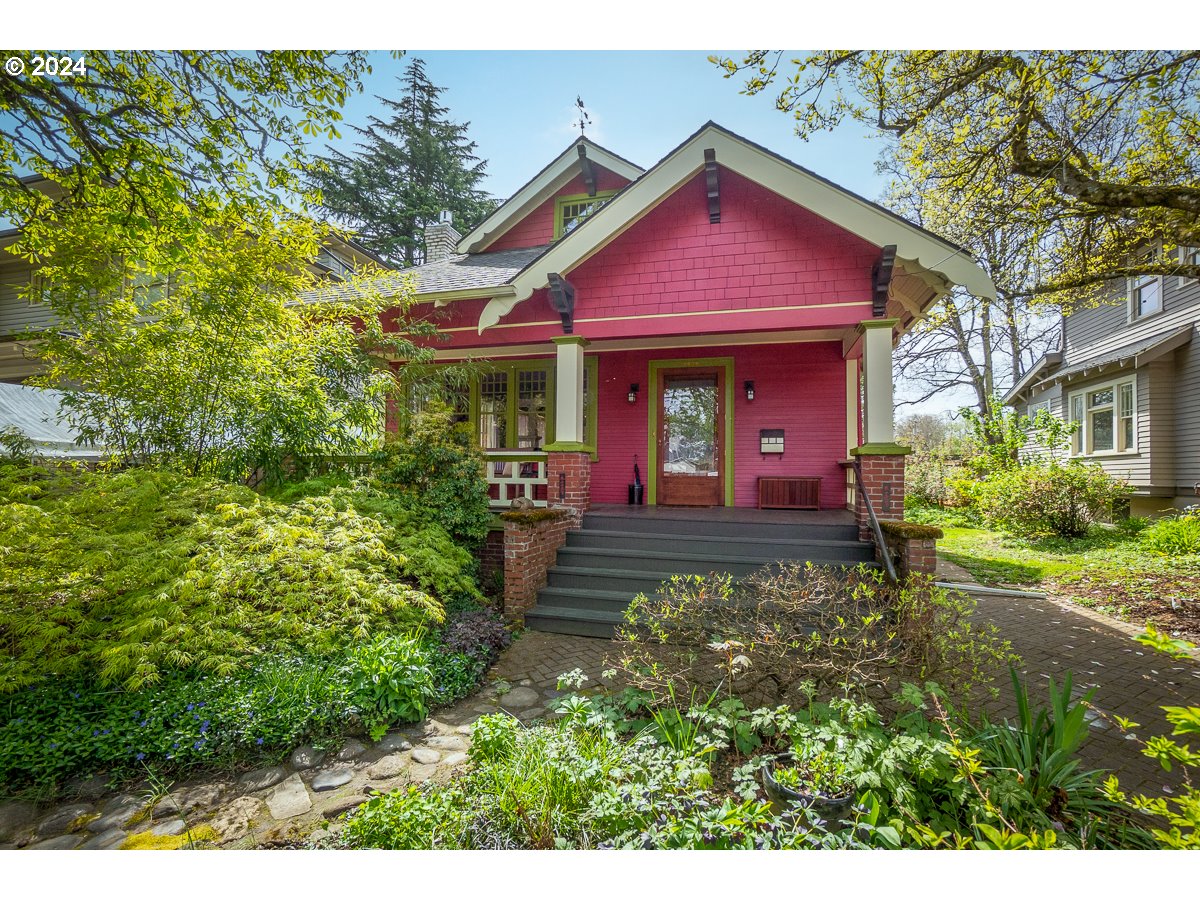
(516, 473)
(889, 566)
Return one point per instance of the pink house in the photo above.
(722, 321)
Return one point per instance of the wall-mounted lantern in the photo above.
(632, 395)
(749, 390)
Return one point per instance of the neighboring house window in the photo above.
(334, 264)
(1107, 416)
(1189, 256)
(1035, 408)
(1145, 296)
(571, 211)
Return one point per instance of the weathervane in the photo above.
(584, 119)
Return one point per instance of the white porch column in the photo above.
(878, 408)
(568, 391)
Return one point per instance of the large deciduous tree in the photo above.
(1098, 152)
(407, 169)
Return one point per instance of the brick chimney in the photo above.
(441, 238)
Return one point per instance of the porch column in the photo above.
(568, 459)
(881, 457)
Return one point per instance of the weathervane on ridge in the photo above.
(584, 119)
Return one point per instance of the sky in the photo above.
(521, 107)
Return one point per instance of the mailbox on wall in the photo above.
(771, 440)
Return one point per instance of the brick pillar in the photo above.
(569, 482)
(531, 541)
(883, 480)
(914, 547)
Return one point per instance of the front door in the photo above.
(690, 453)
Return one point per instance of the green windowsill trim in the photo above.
(568, 447)
(881, 450)
(910, 530)
(877, 323)
(571, 339)
(530, 516)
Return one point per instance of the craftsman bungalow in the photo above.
(724, 321)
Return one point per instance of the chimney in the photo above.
(441, 239)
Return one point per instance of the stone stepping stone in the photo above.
(234, 821)
(169, 828)
(60, 820)
(117, 817)
(520, 698)
(106, 840)
(261, 779)
(388, 767)
(447, 742)
(290, 798)
(454, 759)
(420, 774)
(305, 758)
(426, 756)
(14, 816)
(393, 742)
(352, 750)
(330, 779)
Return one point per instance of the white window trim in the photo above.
(1034, 408)
(1183, 254)
(1084, 433)
(1132, 302)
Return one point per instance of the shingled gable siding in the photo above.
(537, 228)
(798, 387)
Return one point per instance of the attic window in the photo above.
(569, 212)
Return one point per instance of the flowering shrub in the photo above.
(1040, 498)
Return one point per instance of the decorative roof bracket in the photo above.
(588, 171)
(713, 185)
(562, 298)
(881, 280)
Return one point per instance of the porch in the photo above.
(735, 515)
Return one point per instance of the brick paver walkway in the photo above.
(1052, 638)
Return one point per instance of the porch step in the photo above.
(615, 557)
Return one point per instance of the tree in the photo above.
(406, 171)
(1097, 150)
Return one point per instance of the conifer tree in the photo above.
(407, 169)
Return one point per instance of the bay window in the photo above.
(1107, 418)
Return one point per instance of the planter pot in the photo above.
(785, 799)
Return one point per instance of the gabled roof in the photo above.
(1047, 360)
(917, 250)
(1140, 352)
(542, 186)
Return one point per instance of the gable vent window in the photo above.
(571, 211)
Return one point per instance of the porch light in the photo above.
(632, 395)
(749, 385)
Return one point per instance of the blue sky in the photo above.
(643, 103)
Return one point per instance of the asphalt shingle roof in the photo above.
(1115, 356)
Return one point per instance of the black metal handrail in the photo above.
(875, 526)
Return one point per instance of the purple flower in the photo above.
(144, 721)
(191, 706)
(95, 731)
(198, 705)
(107, 731)
(53, 744)
(198, 744)
(140, 757)
(204, 727)
(259, 742)
(175, 746)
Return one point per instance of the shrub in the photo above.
(761, 638)
(125, 577)
(1041, 498)
(392, 682)
(1173, 535)
(478, 633)
(436, 469)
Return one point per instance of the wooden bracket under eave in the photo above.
(588, 170)
(712, 183)
(881, 281)
(562, 298)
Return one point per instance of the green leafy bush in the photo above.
(437, 470)
(125, 577)
(1041, 498)
(392, 682)
(1173, 535)
(761, 638)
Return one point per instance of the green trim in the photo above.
(591, 365)
(560, 202)
(881, 450)
(568, 447)
(877, 323)
(511, 367)
(725, 362)
(571, 339)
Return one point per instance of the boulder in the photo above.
(290, 798)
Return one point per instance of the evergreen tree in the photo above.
(406, 171)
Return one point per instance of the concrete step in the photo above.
(570, 620)
(755, 547)
(626, 583)
(684, 522)
(683, 563)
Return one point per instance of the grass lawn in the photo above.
(1108, 570)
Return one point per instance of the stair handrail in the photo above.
(875, 526)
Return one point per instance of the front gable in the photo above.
(541, 226)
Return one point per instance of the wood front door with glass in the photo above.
(691, 457)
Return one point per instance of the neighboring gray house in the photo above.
(1129, 373)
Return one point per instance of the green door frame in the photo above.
(656, 365)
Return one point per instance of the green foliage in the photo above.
(1174, 535)
(436, 469)
(997, 438)
(73, 726)
(761, 638)
(126, 577)
(15, 445)
(406, 170)
(1040, 498)
(392, 682)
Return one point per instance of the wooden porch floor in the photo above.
(739, 514)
